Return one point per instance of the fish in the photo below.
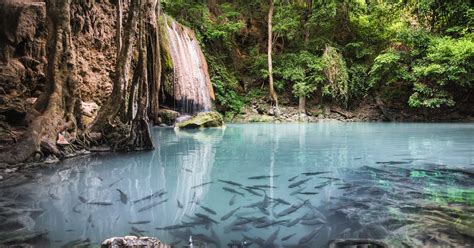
(89, 219)
(251, 191)
(266, 186)
(322, 185)
(291, 209)
(158, 193)
(204, 238)
(115, 182)
(100, 203)
(230, 182)
(315, 173)
(269, 223)
(288, 237)
(393, 162)
(82, 199)
(70, 230)
(330, 178)
(173, 227)
(308, 193)
(232, 200)
(269, 241)
(233, 191)
(297, 191)
(188, 170)
(75, 210)
(293, 222)
(228, 215)
(313, 222)
(205, 217)
(200, 185)
(297, 184)
(209, 210)
(180, 205)
(243, 221)
(308, 237)
(140, 222)
(137, 230)
(152, 205)
(281, 201)
(123, 196)
(262, 177)
(293, 178)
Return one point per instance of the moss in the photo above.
(166, 60)
(203, 119)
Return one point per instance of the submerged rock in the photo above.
(203, 119)
(133, 241)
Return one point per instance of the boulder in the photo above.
(133, 241)
(201, 120)
(168, 116)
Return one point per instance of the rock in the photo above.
(203, 119)
(89, 109)
(133, 241)
(89, 112)
(168, 116)
(62, 140)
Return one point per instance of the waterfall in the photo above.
(191, 85)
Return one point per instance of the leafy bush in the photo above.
(336, 74)
(449, 64)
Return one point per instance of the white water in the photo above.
(192, 86)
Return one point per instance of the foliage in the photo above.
(225, 85)
(336, 74)
(416, 52)
(448, 64)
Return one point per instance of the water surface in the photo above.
(404, 183)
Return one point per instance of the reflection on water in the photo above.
(296, 185)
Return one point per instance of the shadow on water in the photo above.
(270, 185)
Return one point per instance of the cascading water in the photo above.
(192, 89)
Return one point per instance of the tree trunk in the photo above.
(153, 60)
(118, 30)
(57, 104)
(212, 5)
(140, 137)
(302, 105)
(273, 94)
(115, 105)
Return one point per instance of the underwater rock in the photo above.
(168, 116)
(133, 241)
(203, 119)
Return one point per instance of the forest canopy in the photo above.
(416, 53)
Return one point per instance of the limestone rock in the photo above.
(89, 112)
(203, 119)
(133, 241)
(168, 116)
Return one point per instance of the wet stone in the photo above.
(133, 241)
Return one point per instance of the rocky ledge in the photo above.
(133, 241)
(202, 120)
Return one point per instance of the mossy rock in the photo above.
(203, 119)
(168, 116)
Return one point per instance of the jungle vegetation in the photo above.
(419, 53)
